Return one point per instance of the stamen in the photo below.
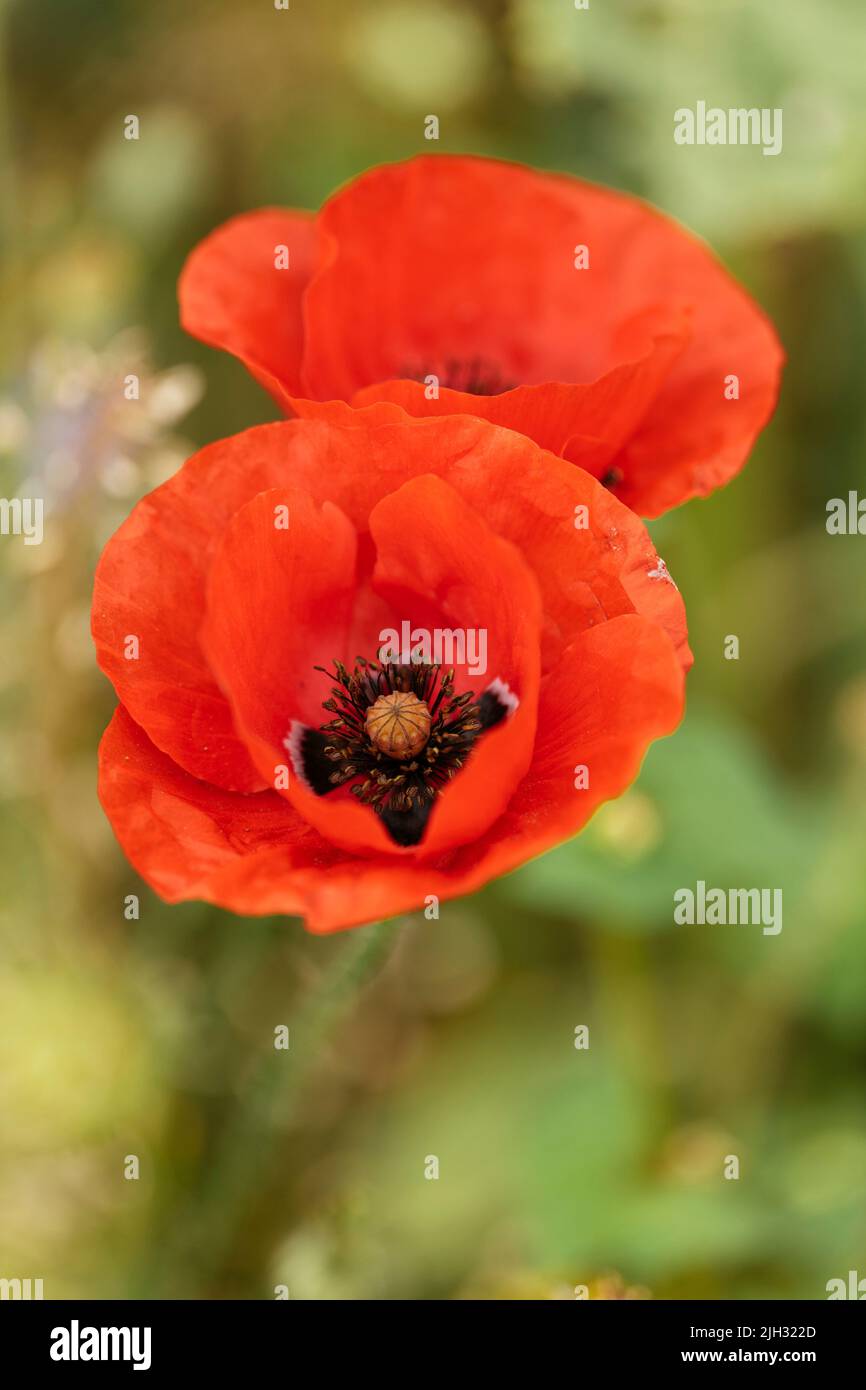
(399, 735)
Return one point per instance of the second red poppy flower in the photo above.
(576, 315)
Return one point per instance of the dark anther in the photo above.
(399, 734)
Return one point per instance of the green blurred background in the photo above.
(154, 1037)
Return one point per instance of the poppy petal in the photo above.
(279, 604)
(467, 289)
(192, 840)
(720, 393)
(150, 585)
(241, 290)
(618, 687)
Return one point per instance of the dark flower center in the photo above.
(473, 374)
(364, 740)
(399, 734)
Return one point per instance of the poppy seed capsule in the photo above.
(398, 724)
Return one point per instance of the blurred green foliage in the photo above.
(154, 1037)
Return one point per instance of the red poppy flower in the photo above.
(256, 764)
(579, 316)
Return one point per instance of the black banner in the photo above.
(69, 1339)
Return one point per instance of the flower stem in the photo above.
(243, 1154)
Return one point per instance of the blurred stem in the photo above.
(245, 1150)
